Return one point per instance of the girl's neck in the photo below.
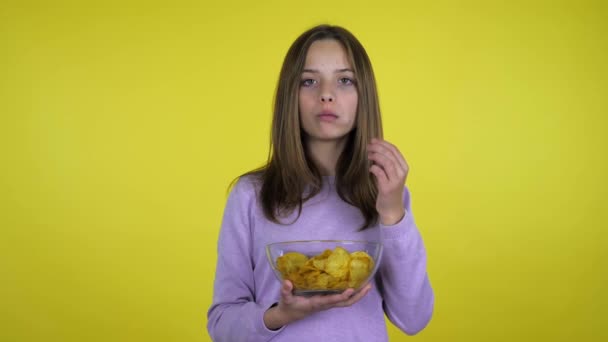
(325, 154)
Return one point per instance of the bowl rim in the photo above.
(317, 241)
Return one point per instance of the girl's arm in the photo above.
(403, 281)
(234, 315)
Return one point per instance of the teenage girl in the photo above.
(330, 176)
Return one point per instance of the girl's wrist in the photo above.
(392, 218)
(275, 318)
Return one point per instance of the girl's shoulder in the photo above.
(246, 186)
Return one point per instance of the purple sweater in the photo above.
(245, 285)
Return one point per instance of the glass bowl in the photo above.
(332, 271)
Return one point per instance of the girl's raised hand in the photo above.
(292, 308)
(390, 169)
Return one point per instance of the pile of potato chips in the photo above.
(330, 270)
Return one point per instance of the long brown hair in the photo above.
(289, 177)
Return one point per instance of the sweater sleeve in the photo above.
(234, 315)
(404, 282)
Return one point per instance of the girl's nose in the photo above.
(327, 98)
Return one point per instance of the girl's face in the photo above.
(328, 94)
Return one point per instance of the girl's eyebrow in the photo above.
(315, 71)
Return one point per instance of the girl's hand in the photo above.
(292, 308)
(390, 169)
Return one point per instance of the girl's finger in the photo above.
(393, 150)
(387, 164)
(380, 175)
(379, 148)
(352, 300)
(286, 292)
(331, 300)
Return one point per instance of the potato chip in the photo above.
(297, 279)
(290, 262)
(320, 260)
(337, 263)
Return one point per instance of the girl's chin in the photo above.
(326, 137)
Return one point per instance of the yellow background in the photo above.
(122, 123)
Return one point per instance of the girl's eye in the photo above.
(346, 81)
(308, 82)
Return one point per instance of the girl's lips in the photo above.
(327, 117)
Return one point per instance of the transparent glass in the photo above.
(314, 247)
